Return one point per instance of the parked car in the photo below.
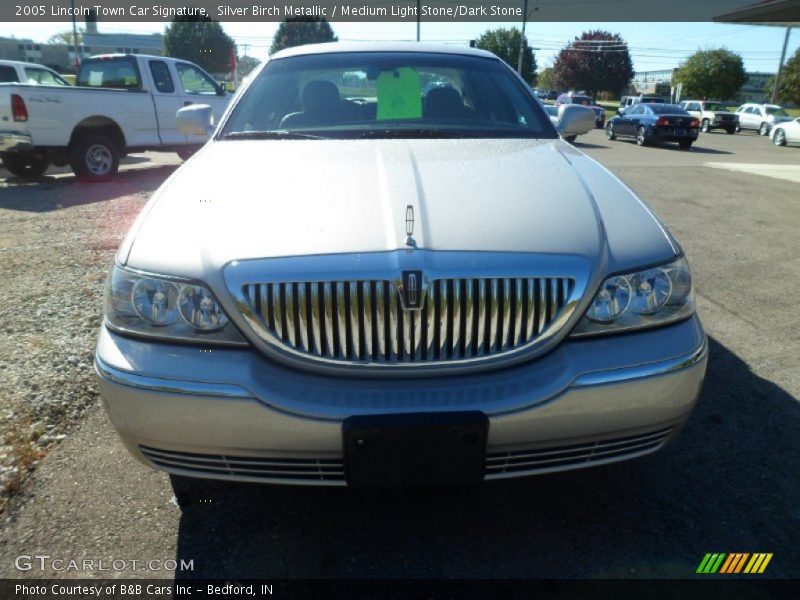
(761, 117)
(628, 101)
(14, 71)
(121, 103)
(589, 102)
(407, 289)
(712, 115)
(786, 132)
(655, 123)
(579, 127)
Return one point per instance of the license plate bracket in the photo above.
(415, 448)
(680, 131)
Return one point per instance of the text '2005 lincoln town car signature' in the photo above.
(387, 267)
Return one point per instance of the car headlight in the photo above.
(166, 308)
(645, 298)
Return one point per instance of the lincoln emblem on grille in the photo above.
(411, 294)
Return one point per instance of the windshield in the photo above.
(777, 111)
(584, 100)
(715, 106)
(387, 94)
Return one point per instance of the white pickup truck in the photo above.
(121, 103)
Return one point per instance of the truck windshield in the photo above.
(112, 72)
(387, 94)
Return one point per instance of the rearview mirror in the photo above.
(197, 119)
(575, 119)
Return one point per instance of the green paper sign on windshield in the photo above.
(399, 94)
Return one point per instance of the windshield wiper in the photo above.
(414, 133)
(270, 135)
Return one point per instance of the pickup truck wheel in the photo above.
(28, 166)
(731, 130)
(764, 129)
(94, 157)
(705, 127)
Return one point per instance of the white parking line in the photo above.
(787, 172)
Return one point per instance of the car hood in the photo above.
(238, 200)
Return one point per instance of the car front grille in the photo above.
(364, 322)
(314, 470)
(541, 460)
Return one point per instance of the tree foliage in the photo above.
(66, 37)
(789, 87)
(545, 79)
(246, 64)
(200, 40)
(707, 74)
(505, 44)
(298, 31)
(594, 62)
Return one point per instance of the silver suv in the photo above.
(761, 117)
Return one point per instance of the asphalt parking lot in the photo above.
(729, 483)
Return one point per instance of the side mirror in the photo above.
(575, 119)
(196, 119)
(221, 91)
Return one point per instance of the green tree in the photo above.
(789, 88)
(65, 37)
(245, 65)
(505, 44)
(299, 31)
(200, 40)
(545, 79)
(706, 74)
(594, 62)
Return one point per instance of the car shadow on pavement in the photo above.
(728, 483)
(49, 193)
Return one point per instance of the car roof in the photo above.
(337, 47)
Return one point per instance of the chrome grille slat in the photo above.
(363, 321)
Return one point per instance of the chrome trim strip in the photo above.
(642, 371)
(155, 384)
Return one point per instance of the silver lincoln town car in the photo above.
(386, 267)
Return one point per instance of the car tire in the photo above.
(763, 128)
(571, 138)
(705, 126)
(186, 153)
(610, 131)
(737, 129)
(779, 137)
(685, 144)
(641, 136)
(94, 157)
(27, 166)
(731, 130)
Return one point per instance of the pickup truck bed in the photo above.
(122, 104)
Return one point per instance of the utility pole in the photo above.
(419, 16)
(774, 96)
(74, 35)
(522, 42)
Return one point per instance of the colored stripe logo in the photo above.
(734, 562)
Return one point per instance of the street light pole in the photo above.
(74, 34)
(522, 42)
(418, 17)
(774, 96)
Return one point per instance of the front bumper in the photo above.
(231, 414)
(14, 141)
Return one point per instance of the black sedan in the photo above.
(651, 123)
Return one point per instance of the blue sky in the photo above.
(653, 45)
